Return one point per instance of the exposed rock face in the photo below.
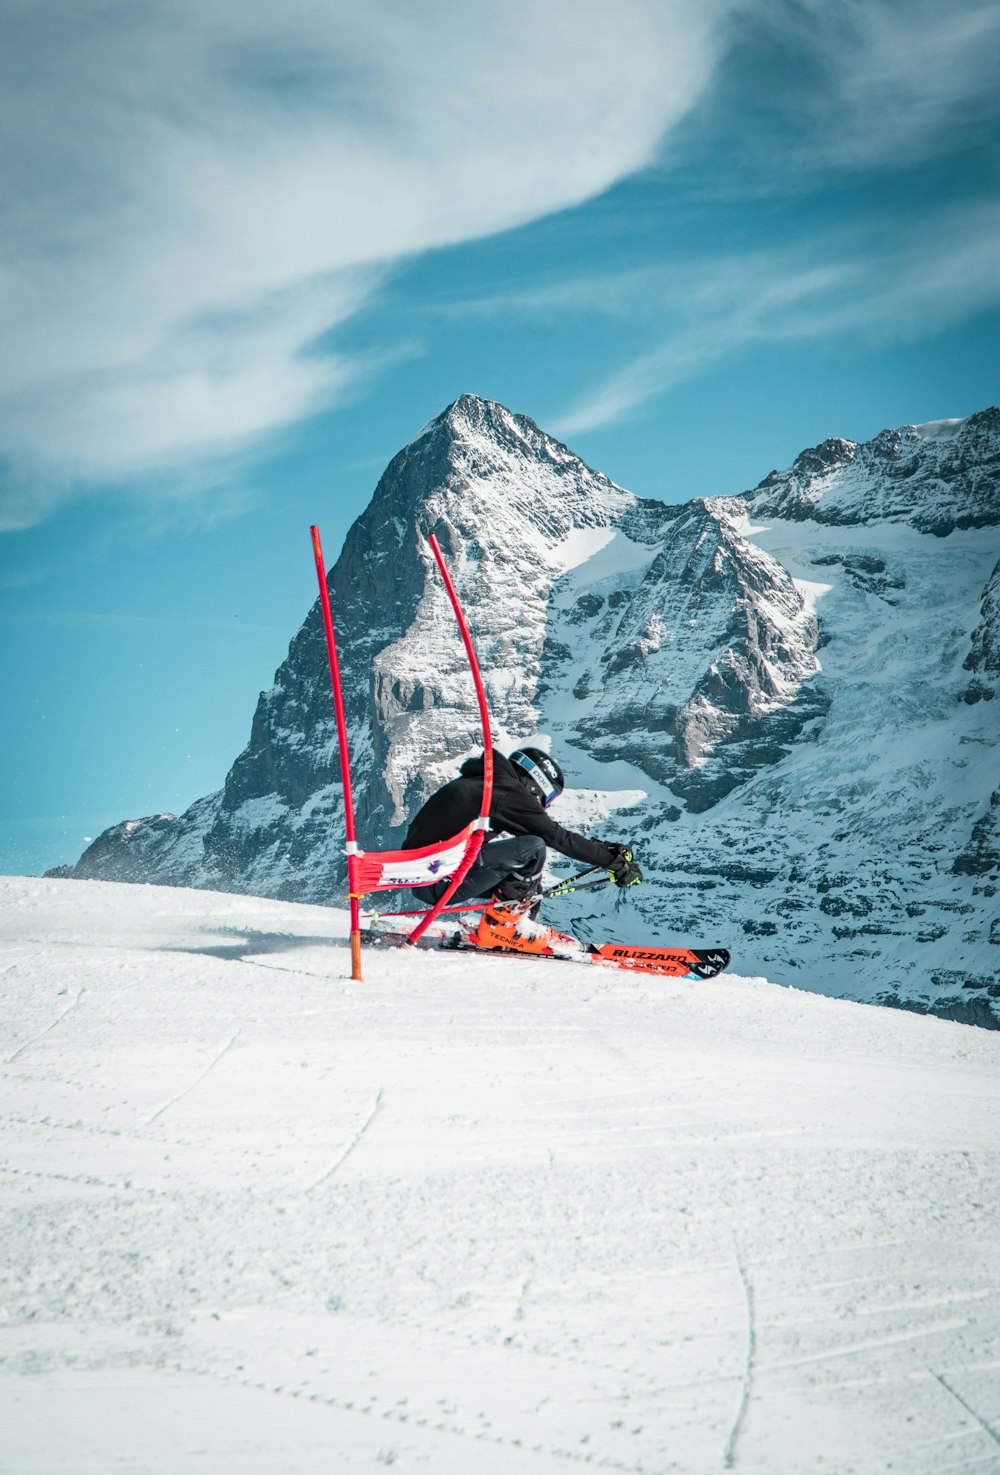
(935, 477)
(697, 674)
(984, 657)
(981, 857)
(769, 694)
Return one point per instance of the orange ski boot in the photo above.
(508, 924)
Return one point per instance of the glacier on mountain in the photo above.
(785, 699)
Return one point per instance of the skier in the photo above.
(509, 870)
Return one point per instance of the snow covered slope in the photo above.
(474, 1215)
(786, 700)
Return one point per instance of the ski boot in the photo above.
(510, 924)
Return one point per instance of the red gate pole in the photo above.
(345, 761)
(482, 824)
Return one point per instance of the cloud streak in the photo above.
(934, 273)
(899, 78)
(200, 192)
(877, 88)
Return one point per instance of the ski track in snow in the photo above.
(226, 1045)
(645, 1226)
(514, 1449)
(524, 1292)
(988, 1428)
(15, 1054)
(350, 1146)
(729, 1460)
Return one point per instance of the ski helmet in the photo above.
(541, 772)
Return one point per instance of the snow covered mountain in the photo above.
(786, 699)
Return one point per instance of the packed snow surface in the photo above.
(475, 1215)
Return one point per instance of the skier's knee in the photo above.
(533, 849)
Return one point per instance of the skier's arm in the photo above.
(531, 819)
(577, 847)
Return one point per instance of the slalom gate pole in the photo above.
(482, 824)
(345, 761)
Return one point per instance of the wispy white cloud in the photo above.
(897, 79)
(708, 311)
(936, 272)
(867, 85)
(199, 191)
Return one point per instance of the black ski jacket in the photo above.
(513, 809)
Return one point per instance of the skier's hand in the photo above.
(624, 871)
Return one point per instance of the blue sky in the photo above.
(248, 251)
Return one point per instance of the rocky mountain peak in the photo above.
(820, 459)
(981, 427)
(786, 699)
(477, 464)
(936, 477)
(469, 419)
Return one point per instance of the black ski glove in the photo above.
(624, 871)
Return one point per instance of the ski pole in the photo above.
(571, 890)
(571, 882)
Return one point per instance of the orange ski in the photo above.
(674, 962)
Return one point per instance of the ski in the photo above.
(693, 964)
(673, 962)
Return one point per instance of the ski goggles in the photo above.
(539, 777)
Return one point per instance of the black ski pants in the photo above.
(512, 867)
